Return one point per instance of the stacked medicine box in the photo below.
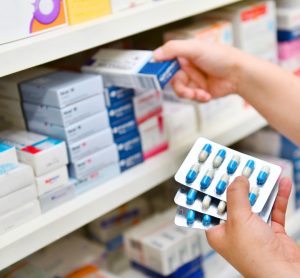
(48, 158)
(18, 194)
(70, 106)
(289, 35)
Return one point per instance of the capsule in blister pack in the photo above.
(192, 219)
(208, 173)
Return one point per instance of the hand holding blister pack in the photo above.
(205, 176)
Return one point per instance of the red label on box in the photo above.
(31, 149)
(254, 12)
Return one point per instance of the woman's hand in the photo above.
(207, 70)
(253, 247)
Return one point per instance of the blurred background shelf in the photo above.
(64, 219)
(50, 46)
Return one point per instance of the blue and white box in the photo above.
(66, 116)
(8, 154)
(131, 69)
(61, 88)
(120, 114)
(115, 96)
(129, 144)
(93, 162)
(124, 128)
(131, 161)
(74, 132)
(90, 145)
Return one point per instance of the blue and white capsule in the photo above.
(206, 202)
(191, 197)
(249, 168)
(206, 220)
(207, 179)
(192, 173)
(263, 175)
(253, 195)
(190, 217)
(219, 158)
(233, 164)
(221, 207)
(205, 152)
(222, 184)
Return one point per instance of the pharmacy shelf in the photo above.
(70, 216)
(55, 44)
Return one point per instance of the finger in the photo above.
(216, 237)
(202, 95)
(281, 202)
(178, 48)
(238, 205)
(197, 76)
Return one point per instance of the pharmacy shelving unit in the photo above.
(37, 50)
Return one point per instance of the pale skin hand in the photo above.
(212, 70)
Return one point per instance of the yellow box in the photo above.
(85, 10)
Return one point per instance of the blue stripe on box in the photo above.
(287, 36)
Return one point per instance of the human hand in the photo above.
(207, 70)
(253, 247)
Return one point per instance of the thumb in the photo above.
(237, 199)
(189, 49)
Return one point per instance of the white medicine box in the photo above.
(23, 18)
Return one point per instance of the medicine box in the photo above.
(119, 5)
(61, 88)
(131, 161)
(85, 10)
(91, 163)
(120, 114)
(14, 178)
(52, 180)
(97, 177)
(289, 50)
(288, 35)
(254, 27)
(57, 197)
(129, 144)
(90, 145)
(8, 154)
(66, 116)
(131, 69)
(147, 104)
(17, 198)
(153, 135)
(19, 216)
(124, 128)
(43, 154)
(116, 96)
(74, 132)
(9, 84)
(211, 30)
(288, 18)
(23, 18)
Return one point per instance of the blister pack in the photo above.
(205, 175)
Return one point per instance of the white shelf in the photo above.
(52, 45)
(53, 225)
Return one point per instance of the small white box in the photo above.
(254, 27)
(90, 144)
(119, 5)
(132, 69)
(19, 216)
(9, 85)
(97, 177)
(91, 163)
(52, 180)
(65, 116)
(180, 122)
(43, 154)
(74, 132)
(56, 197)
(17, 198)
(15, 178)
(146, 105)
(8, 154)
(153, 136)
(61, 88)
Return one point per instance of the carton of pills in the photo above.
(8, 154)
(205, 175)
(132, 69)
